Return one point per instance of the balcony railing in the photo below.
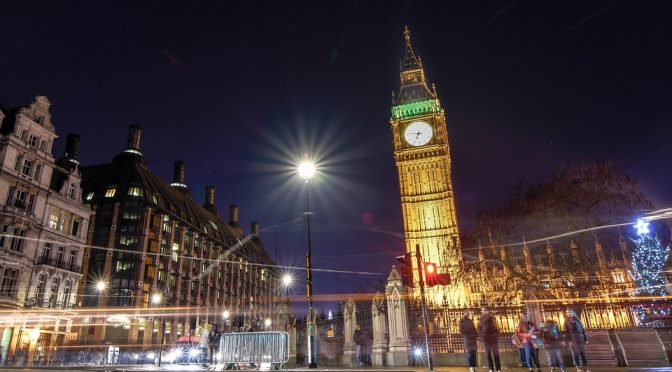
(47, 304)
(49, 261)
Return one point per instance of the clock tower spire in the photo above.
(422, 156)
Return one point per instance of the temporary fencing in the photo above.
(254, 348)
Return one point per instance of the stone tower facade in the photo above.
(422, 156)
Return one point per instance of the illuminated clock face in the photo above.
(418, 133)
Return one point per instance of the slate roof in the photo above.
(130, 169)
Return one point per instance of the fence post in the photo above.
(397, 320)
(379, 327)
(350, 322)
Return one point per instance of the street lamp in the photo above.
(156, 300)
(306, 171)
(287, 281)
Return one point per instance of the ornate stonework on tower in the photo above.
(422, 157)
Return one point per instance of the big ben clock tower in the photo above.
(422, 157)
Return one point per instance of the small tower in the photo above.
(551, 255)
(601, 260)
(528, 257)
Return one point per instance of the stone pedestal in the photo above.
(350, 320)
(379, 329)
(397, 320)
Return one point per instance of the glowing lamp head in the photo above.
(287, 280)
(306, 170)
(431, 268)
(156, 298)
(267, 322)
(226, 314)
(642, 227)
(417, 351)
(100, 286)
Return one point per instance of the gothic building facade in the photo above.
(149, 239)
(43, 224)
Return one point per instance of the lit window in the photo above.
(546, 283)
(110, 192)
(89, 196)
(135, 191)
(618, 276)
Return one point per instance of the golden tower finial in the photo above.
(407, 35)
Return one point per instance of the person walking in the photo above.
(527, 333)
(468, 331)
(487, 327)
(552, 337)
(575, 335)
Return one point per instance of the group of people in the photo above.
(529, 338)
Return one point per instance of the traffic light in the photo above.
(434, 276)
(406, 270)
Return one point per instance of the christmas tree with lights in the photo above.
(648, 262)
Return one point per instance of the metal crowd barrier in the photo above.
(254, 348)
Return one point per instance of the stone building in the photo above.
(150, 237)
(43, 226)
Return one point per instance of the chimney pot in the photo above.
(178, 172)
(134, 133)
(71, 146)
(233, 214)
(254, 229)
(210, 196)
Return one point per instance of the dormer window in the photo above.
(39, 119)
(110, 192)
(72, 190)
(135, 191)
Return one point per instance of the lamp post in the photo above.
(156, 300)
(306, 171)
(101, 285)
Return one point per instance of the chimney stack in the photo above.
(71, 147)
(209, 197)
(134, 133)
(233, 214)
(178, 174)
(254, 229)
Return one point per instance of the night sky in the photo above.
(240, 91)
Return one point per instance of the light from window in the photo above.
(618, 276)
(110, 192)
(135, 191)
(131, 215)
(545, 283)
(89, 196)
